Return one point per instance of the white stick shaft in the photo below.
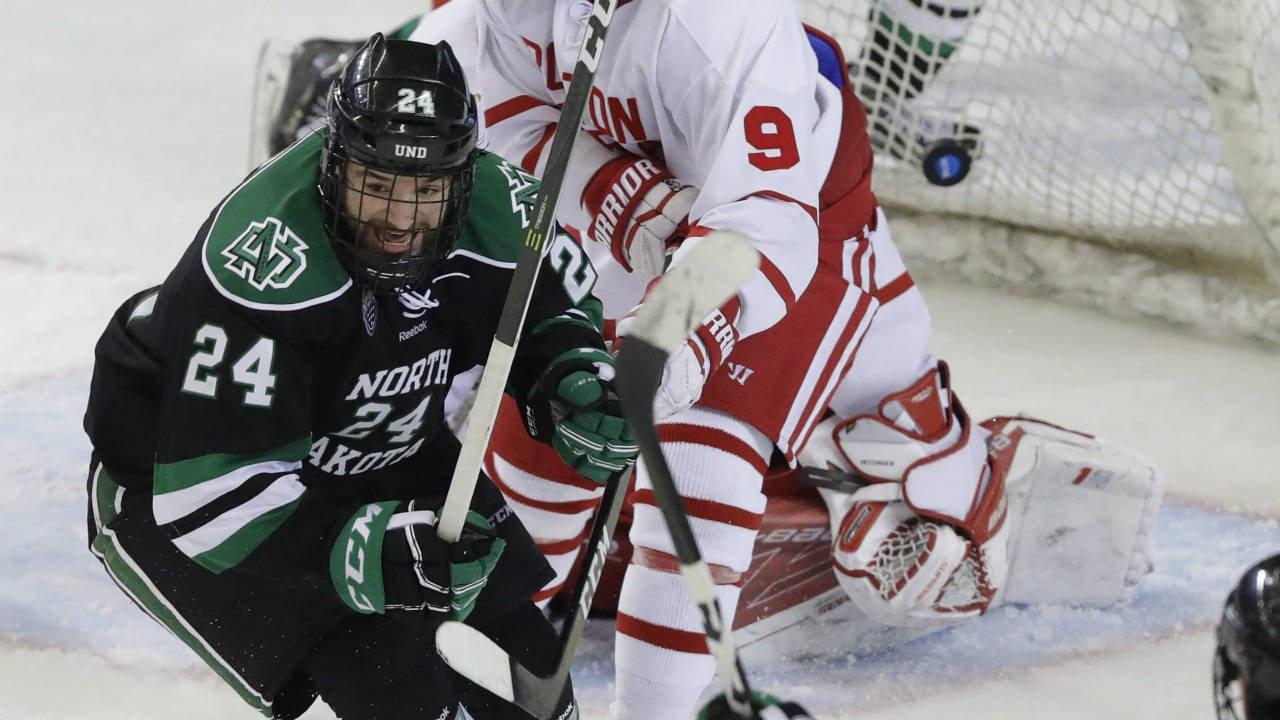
(480, 426)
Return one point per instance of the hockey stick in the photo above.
(482, 661)
(502, 352)
(841, 480)
(693, 287)
(679, 301)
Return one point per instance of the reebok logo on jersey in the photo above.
(413, 331)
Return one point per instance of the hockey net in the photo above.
(1128, 155)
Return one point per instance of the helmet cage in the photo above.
(399, 161)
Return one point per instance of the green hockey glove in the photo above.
(586, 424)
(763, 706)
(387, 559)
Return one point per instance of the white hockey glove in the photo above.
(639, 210)
(925, 541)
(688, 368)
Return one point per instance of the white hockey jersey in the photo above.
(729, 98)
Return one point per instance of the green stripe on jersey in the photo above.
(182, 474)
(234, 549)
(136, 585)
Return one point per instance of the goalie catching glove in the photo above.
(954, 518)
(387, 559)
(925, 541)
(573, 408)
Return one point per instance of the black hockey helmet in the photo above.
(1246, 669)
(398, 164)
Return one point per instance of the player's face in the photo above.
(395, 214)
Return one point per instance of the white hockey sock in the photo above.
(661, 654)
(718, 464)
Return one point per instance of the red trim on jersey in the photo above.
(565, 507)
(530, 160)
(510, 108)
(668, 563)
(663, 637)
(778, 281)
(707, 510)
(890, 291)
(712, 438)
(560, 547)
(812, 408)
(855, 266)
(811, 210)
(845, 199)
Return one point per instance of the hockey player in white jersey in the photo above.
(745, 121)
(754, 128)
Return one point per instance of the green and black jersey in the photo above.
(260, 396)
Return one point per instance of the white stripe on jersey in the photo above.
(177, 504)
(283, 491)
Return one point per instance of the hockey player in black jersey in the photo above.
(269, 425)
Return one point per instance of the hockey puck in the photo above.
(946, 163)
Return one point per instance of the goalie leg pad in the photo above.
(1082, 512)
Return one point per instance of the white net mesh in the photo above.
(1144, 130)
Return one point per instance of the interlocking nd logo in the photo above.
(267, 254)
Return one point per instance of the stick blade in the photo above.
(474, 656)
(707, 276)
(477, 658)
